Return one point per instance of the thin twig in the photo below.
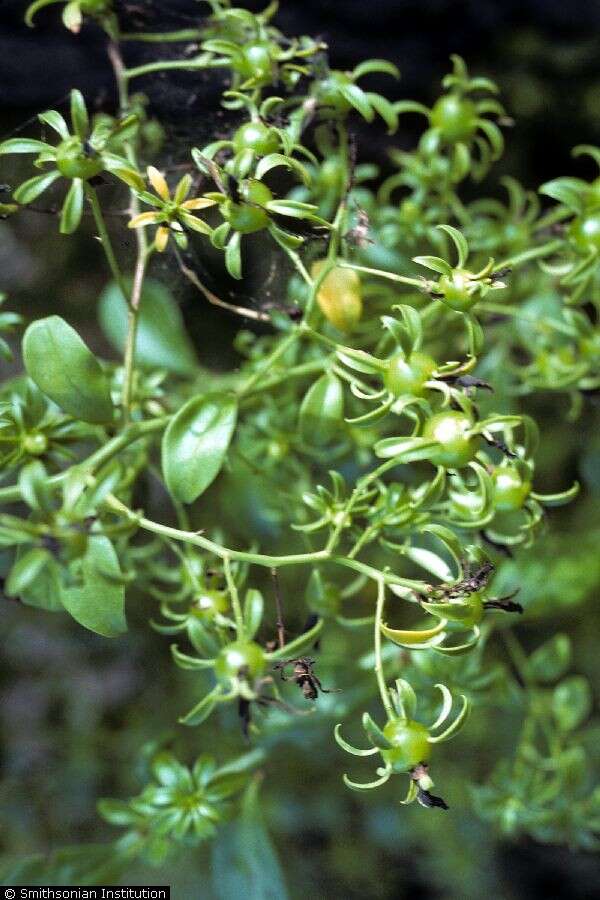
(191, 276)
(279, 608)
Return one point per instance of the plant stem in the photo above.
(385, 697)
(272, 358)
(279, 610)
(391, 276)
(258, 559)
(169, 65)
(235, 599)
(185, 34)
(143, 253)
(105, 238)
(527, 255)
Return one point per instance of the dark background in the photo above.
(545, 55)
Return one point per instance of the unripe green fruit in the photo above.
(410, 745)
(455, 118)
(408, 376)
(585, 231)
(256, 136)
(455, 290)
(247, 216)
(240, 659)
(209, 603)
(255, 61)
(72, 161)
(451, 431)
(510, 490)
(35, 444)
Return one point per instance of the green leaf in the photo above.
(406, 449)
(169, 772)
(25, 571)
(300, 644)
(33, 484)
(386, 110)
(571, 702)
(322, 411)
(203, 709)
(375, 733)
(253, 611)
(45, 591)
(195, 444)
(72, 209)
(98, 603)
(278, 159)
(568, 191)
(375, 65)
(162, 341)
(244, 863)
(358, 99)
(460, 242)
(54, 119)
(436, 263)
(233, 256)
(22, 145)
(79, 114)
(64, 369)
(552, 659)
(33, 187)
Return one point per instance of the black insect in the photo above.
(500, 274)
(430, 800)
(468, 382)
(303, 675)
(476, 579)
(499, 445)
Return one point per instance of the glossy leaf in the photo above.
(322, 411)
(253, 611)
(412, 637)
(64, 369)
(195, 444)
(98, 603)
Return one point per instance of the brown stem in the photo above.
(279, 608)
(191, 276)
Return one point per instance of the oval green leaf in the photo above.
(322, 411)
(98, 603)
(195, 444)
(66, 371)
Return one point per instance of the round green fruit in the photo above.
(410, 745)
(209, 603)
(585, 231)
(455, 118)
(248, 216)
(452, 432)
(240, 659)
(457, 290)
(408, 376)
(510, 490)
(256, 136)
(73, 162)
